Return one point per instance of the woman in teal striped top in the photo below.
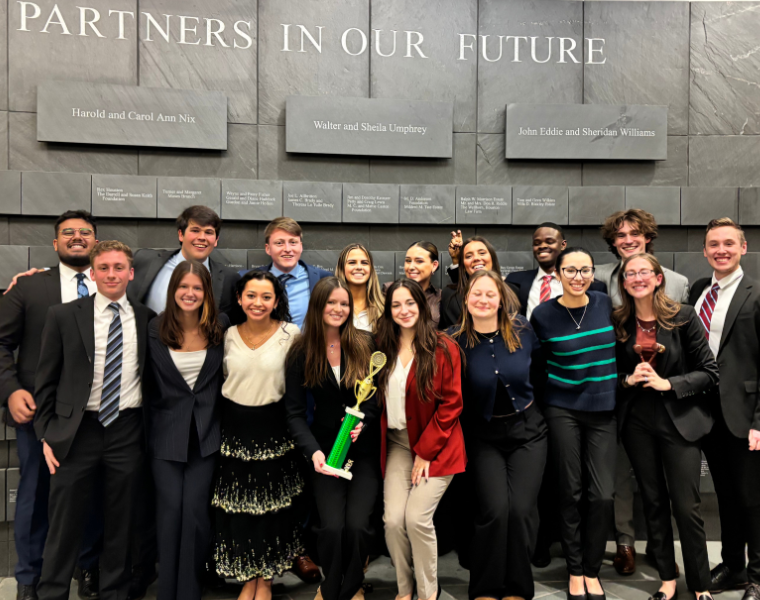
(578, 396)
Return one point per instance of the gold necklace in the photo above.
(263, 338)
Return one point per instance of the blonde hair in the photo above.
(287, 224)
(725, 222)
(110, 246)
(375, 296)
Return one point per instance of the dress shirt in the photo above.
(728, 286)
(534, 297)
(131, 394)
(156, 298)
(361, 321)
(69, 283)
(396, 396)
(298, 292)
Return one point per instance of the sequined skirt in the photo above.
(258, 494)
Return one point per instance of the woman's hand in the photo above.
(421, 468)
(318, 458)
(454, 245)
(356, 431)
(651, 379)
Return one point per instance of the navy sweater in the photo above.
(580, 363)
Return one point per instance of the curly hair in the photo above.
(640, 220)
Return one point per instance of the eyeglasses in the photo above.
(572, 272)
(283, 243)
(83, 231)
(643, 274)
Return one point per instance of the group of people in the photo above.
(223, 392)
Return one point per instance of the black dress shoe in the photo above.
(542, 557)
(722, 578)
(88, 584)
(26, 592)
(752, 593)
(663, 596)
(141, 579)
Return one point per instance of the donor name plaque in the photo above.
(121, 115)
(369, 126)
(587, 132)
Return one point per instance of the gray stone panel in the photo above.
(370, 203)
(124, 196)
(276, 163)
(663, 202)
(749, 206)
(647, 52)
(729, 160)
(258, 258)
(5, 231)
(427, 204)
(701, 204)
(323, 259)
(394, 237)
(239, 161)
(666, 259)
(514, 261)
(3, 55)
(30, 231)
(484, 204)
(314, 201)
(535, 204)
(459, 169)
(41, 257)
(230, 69)
(591, 205)
(251, 200)
(440, 76)
(158, 234)
(385, 266)
(503, 81)
(236, 259)
(13, 259)
(36, 56)
(54, 193)
(673, 171)
(692, 265)
(10, 193)
(124, 230)
(603, 258)
(3, 140)
(175, 194)
(493, 169)
(27, 154)
(332, 236)
(331, 72)
(724, 68)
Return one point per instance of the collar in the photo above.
(541, 274)
(70, 274)
(728, 281)
(431, 291)
(101, 302)
(179, 257)
(297, 271)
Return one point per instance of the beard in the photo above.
(75, 261)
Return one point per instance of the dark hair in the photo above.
(77, 214)
(552, 226)
(725, 222)
(281, 312)
(430, 247)
(640, 220)
(170, 328)
(202, 215)
(312, 342)
(426, 341)
(571, 250)
(463, 276)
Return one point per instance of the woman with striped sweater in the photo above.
(578, 396)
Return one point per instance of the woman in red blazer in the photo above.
(422, 443)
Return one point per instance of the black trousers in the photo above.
(581, 439)
(183, 498)
(507, 457)
(667, 469)
(116, 453)
(736, 473)
(345, 533)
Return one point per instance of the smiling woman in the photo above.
(357, 270)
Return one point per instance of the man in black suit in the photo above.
(89, 391)
(729, 307)
(22, 317)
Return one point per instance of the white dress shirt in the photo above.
(131, 394)
(361, 321)
(728, 286)
(396, 396)
(534, 298)
(69, 290)
(156, 297)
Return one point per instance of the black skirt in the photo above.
(258, 494)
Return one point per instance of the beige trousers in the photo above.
(408, 517)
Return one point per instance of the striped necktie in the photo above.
(546, 289)
(708, 306)
(284, 278)
(82, 290)
(111, 394)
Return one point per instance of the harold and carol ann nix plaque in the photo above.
(369, 126)
(122, 115)
(587, 131)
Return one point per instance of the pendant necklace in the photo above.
(577, 323)
(262, 339)
(653, 328)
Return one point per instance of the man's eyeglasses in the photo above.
(572, 272)
(70, 232)
(643, 274)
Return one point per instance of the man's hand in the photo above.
(22, 407)
(754, 439)
(52, 463)
(14, 281)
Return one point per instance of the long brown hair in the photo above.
(355, 344)
(375, 299)
(426, 341)
(462, 283)
(664, 307)
(508, 310)
(170, 328)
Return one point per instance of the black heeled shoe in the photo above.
(591, 596)
(583, 596)
(662, 596)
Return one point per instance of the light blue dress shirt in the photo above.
(156, 298)
(297, 289)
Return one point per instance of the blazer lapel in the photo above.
(411, 377)
(210, 365)
(53, 285)
(525, 286)
(740, 297)
(141, 323)
(85, 317)
(217, 280)
(154, 266)
(631, 342)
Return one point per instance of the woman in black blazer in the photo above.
(665, 366)
(185, 354)
(325, 361)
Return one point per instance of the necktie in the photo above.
(708, 306)
(82, 291)
(546, 289)
(109, 399)
(284, 278)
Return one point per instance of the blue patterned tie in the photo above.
(82, 290)
(109, 399)
(284, 278)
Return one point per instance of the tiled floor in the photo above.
(551, 582)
